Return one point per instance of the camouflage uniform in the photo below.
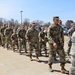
(14, 38)
(22, 40)
(55, 36)
(42, 42)
(72, 69)
(2, 36)
(70, 32)
(32, 36)
(8, 32)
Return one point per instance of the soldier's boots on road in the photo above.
(25, 51)
(64, 71)
(37, 59)
(31, 57)
(13, 49)
(50, 68)
(20, 53)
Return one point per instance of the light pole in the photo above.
(21, 17)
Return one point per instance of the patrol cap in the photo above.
(56, 17)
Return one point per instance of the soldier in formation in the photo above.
(55, 40)
(37, 41)
(2, 35)
(70, 32)
(8, 32)
(22, 39)
(14, 39)
(42, 41)
(33, 41)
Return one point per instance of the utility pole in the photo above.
(21, 16)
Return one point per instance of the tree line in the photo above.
(26, 22)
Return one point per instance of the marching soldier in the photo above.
(42, 41)
(2, 35)
(14, 38)
(70, 32)
(8, 32)
(33, 40)
(22, 39)
(55, 40)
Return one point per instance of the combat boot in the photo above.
(46, 53)
(64, 71)
(13, 49)
(50, 67)
(20, 52)
(37, 59)
(31, 58)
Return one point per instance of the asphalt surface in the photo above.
(14, 64)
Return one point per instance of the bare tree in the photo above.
(26, 22)
(39, 22)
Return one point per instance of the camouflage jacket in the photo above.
(21, 34)
(32, 35)
(14, 37)
(42, 36)
(55, 34)
(2, 30)
(8, 32)
(70, 32)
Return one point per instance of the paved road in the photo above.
(14, 64)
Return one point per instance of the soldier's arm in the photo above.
(28, 35)
(69, 33)
(39, 35)
(62, 35)
(5, 32)
(49, 36)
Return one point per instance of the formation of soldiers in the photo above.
(19, 37)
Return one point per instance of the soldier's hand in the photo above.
(55, 45)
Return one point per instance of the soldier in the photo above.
(8, 32)
(22, 39)
(55, 40)
(72, 69)
(14, 38)
(33, 40)
(2, 34)
(42, 41)
(70, 32)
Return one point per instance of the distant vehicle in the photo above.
(65, 30)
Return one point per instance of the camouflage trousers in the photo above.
(14, 43)
(32, 47)
(59, 51)
(8, 42)
(72, 69)
(42, 45)
(22, 44)
(69, 46)
(3, 40)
